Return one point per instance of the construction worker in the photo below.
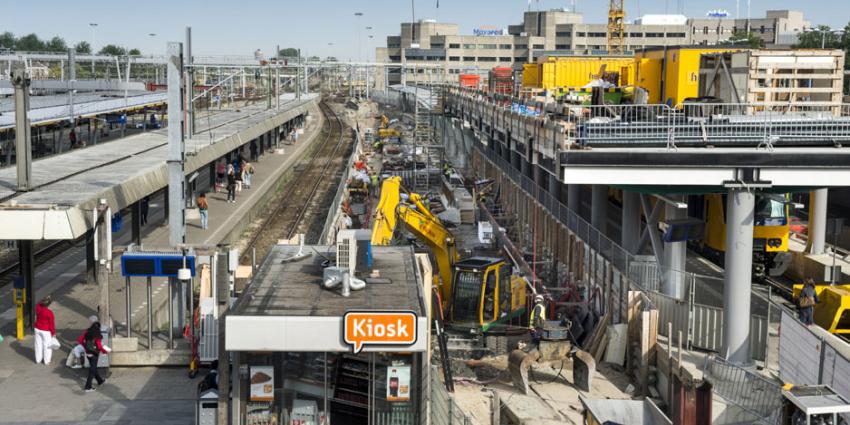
(375, 187)
(535, 321)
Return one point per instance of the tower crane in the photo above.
(616, 27)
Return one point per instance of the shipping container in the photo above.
(471, 81)
(577, 71)
(671, 74)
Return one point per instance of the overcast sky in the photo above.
(239, 27)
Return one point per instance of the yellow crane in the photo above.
(616, 27)
(476, 291)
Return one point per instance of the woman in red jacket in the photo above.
(45, 330)
(92, 341)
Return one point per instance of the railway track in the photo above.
(304, 195)
(42, 255)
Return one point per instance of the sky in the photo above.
(321, 27)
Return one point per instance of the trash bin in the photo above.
(206, 408)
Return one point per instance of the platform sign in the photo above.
(154, 264)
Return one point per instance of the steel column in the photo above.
(630, 230)
(136, 222)
(27, 264)
(673, 281)
(176, 148)
(190, 85)
(23, 138)
(574, 198)
(817, 221)
(599, 207)
(740, 208)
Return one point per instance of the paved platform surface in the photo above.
(39, 394)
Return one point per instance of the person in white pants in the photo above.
(45, 330)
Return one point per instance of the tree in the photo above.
(822, 36)
(314, 59)
(289, 52)
(112, 50)
(8, 40)
(56, 44)
(743, 38)
(29, 43)
(134, 52)
(83, 47)
(330, 59)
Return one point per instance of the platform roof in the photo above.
(51, 109)
(285, 308)
(787, 167)
(68, 186)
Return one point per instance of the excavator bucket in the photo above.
(518, 364)
(583, 367)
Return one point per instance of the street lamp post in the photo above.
(156, 72)
(359, 50)
(93, 26)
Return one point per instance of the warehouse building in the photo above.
(430, 43)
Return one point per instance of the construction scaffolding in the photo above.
(429, 153)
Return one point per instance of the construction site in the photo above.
(639, 236)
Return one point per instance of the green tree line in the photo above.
(32, 43)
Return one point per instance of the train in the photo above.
(771, 227)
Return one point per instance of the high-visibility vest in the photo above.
(538, 312)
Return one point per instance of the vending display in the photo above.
(398, 382)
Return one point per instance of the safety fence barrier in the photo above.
(688, 124)
(332, 220)
(760, 397)
(700, 323)
(444, 409)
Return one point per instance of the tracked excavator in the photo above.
(476, 292)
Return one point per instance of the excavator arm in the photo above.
(419, 221)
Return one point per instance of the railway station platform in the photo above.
(129, 392)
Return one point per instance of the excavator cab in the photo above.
(485, 293)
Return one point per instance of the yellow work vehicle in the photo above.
(478, 291)
(384, 131)
(833, 311)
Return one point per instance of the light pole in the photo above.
(156, 73)
(823, 33)
(93, 26)
(359, 50)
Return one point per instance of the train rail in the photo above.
(303, 195)
(42, 255)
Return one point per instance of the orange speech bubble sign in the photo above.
(372, 327)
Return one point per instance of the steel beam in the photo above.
(740, 207)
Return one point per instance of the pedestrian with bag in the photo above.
(806, 302)
(247, 174)
(92, 342)
(45, 331)
(203, 208)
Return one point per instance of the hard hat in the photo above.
(538, 298)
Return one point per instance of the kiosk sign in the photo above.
(379, 327)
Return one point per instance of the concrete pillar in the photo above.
(817, 221)
(136, 222)
(176, 149)
(91, 274)
(104, 262)
(574, 197)
(673, 280)
(630, 230)
(740, 208)
(599, 207)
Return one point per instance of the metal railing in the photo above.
(334, 212)
(766, 124)
(746, 389)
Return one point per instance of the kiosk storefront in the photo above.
(302, 353)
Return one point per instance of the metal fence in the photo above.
(444, 409)
(746, 389)
(701, 323)
(334, 212)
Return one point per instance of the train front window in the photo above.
(770, 212)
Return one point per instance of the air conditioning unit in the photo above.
(346, 250)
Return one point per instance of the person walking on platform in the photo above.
(247, 174)
(92, 342)
(146, 206)
(203, 208)
(220, 170)
(45, 331)
(806, 302)
(239, 171)
(231, 184)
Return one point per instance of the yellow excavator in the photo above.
(480, 292)
(385, 132)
